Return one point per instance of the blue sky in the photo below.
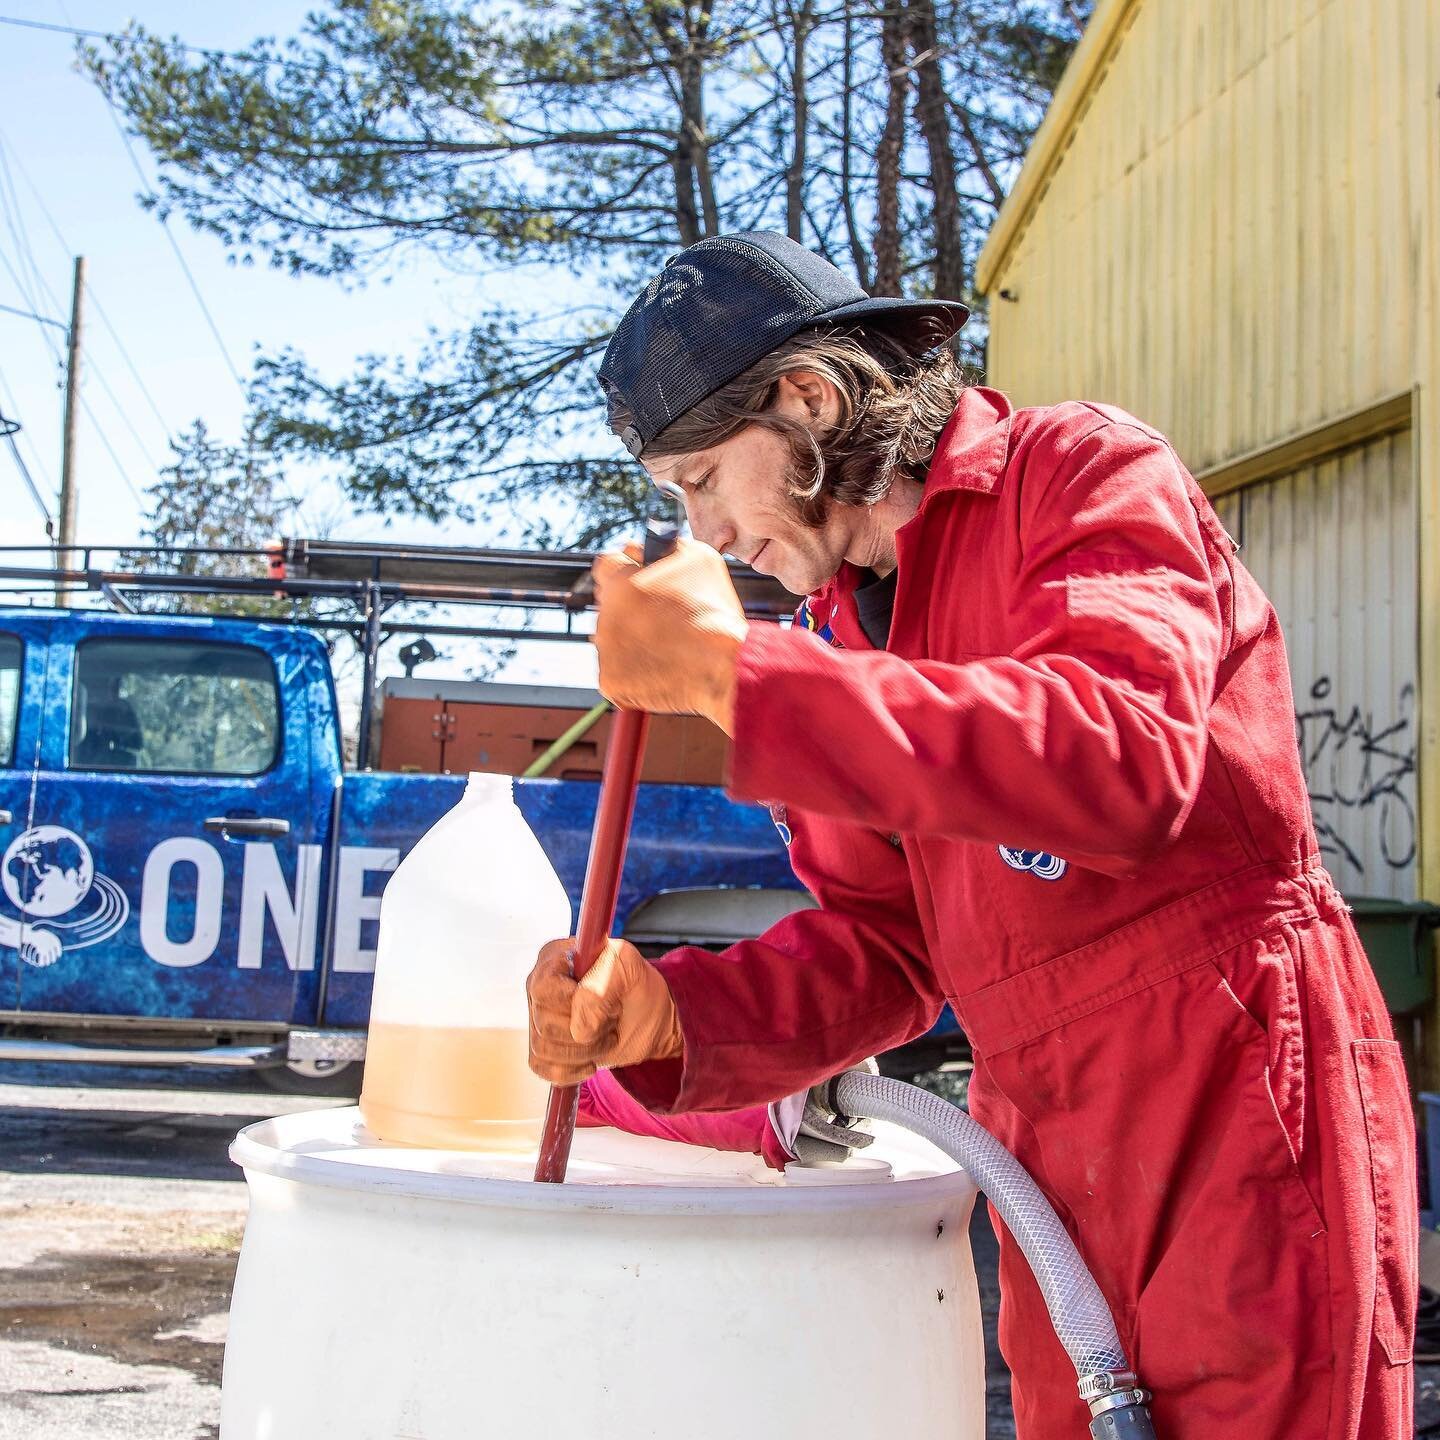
(66, 157)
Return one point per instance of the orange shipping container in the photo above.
(450, 727)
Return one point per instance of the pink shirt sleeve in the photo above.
(603, 1101)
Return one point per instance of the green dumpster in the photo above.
(1396, 937)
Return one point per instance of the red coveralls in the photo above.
(1068, 799)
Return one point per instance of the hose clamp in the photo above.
(1106, 1382)
(1118, 1400)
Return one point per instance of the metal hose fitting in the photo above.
(1078, 1311)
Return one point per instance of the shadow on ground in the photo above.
(158, 1145)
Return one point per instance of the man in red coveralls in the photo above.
(1032, 745)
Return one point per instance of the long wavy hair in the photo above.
(893, 406)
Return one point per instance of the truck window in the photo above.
(11, 655)
(174, 707)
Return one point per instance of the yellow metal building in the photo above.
(1229, 224)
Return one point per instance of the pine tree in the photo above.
(219, 498)
(592, 137)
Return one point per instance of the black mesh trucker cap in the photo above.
(721, 305)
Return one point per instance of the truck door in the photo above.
(22, 689)
(174, 856)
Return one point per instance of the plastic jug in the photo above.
(460, 925)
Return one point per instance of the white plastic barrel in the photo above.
(460, 925)
(663, 1291)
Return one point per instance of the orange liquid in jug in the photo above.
(452, 1088)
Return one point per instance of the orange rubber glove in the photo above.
(669, 634)
(621, 1013)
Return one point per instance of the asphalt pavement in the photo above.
(120, 1223)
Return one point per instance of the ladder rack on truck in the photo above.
(375, 578)
(191, 875)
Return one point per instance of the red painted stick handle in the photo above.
(597, 909)
(613, 812)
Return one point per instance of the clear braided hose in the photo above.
(1078, 1310)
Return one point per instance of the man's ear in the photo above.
(807, 390)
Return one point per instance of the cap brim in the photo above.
(930, 321)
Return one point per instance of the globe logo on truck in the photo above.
(47, 873)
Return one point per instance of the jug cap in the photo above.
(483, 787)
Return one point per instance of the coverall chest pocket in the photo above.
(1385, 1098)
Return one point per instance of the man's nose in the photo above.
(717, 534)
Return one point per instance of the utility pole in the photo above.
(65, 540)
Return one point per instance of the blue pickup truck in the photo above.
(187, 874)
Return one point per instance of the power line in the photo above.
(12, 427)
(31, 315)
(50, 343)
(110, 450)
(30, 289)
(15, 222)
(124, 415)
(85, 404)
(99, 429)
(315, 66)
(95, 369)
(130, 364)
(23, 243)
(9, 400)
(25, 251)
(35, 495)
(94, 298)
(179, 254)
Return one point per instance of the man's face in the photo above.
(737, 500)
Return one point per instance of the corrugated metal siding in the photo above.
(1334, 546)
(1230, 245)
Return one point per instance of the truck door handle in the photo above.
(6, 818)
(232, 825)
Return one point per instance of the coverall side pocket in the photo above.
(1266, 1113)
(1385, 1099)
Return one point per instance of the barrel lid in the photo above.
(608, 1171)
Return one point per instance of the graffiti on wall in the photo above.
(1359, 770)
